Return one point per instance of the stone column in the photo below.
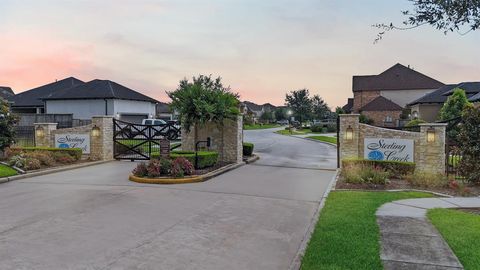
(349, 148)
(101, 146)
(431, 155)
(47, 139)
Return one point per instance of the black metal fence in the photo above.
(25, 136)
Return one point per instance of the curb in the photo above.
(186, 180)
(50, 171)
(400, 190)
(304, 138)
(252, 159)
(297, 260)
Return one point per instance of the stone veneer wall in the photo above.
(428, 157)
(361, 98)
(101, 147)
(227, 139)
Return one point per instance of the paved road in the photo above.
(254, 217)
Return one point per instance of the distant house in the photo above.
(428, 107)
(256, 109)
(163, 111)
(389, 92)
(30, 101)
(100, 97)
(6, 92)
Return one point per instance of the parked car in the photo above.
(171, 129)
(282, 122)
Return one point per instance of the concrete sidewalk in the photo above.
(408, 239)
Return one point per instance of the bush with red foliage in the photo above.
(181, 167)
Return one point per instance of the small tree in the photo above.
(454, 105)
(204, 100)
(7, 121)
(301, 104)
(469, 144)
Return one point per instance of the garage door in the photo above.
(133, 118)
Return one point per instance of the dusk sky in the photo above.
(261, 48)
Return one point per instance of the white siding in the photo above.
(81, 109)
(133, 107)
(403, 97)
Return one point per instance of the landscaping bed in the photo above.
(39, 158)
(388, 175)
(346, 235)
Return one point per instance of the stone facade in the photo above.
(227, 139)
(428, 156)
(101, 146)
(362, 98)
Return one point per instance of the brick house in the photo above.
(382, 97)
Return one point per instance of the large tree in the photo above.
(461, 16)
(301, 104)
(7, 121)
(204, 100)
(320, 109)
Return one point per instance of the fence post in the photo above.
(432, 157)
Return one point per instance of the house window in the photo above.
(388, 119)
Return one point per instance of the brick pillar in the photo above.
(101, 146)
(349, 148)
(47, 139)
(431, 155)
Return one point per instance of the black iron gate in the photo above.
(453, 154)
(141, 142)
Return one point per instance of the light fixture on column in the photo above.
(430, 135)
(40, 132)
(349, 133)
(95, 131)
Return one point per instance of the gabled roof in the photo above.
(33, 97)
(6, 92)
(436, 96)
(439, 96)
(381, 104)
(99, 89)
(349, 106)
(398, 77)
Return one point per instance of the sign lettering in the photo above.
(81, 141)
(388, 149)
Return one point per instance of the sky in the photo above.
(262, 49)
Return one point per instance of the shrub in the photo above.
(317, 128)
(32, 164)
(181, 167)
(469, 144)
(205, 158)
(427, 179)
(45, 158)
(331, 128)
(362, 173)
(18, 161)
(153, 168)
(140, 170)
(74, 152)
(247, 149)
(395, 168)
(365, 120)
(65, 159)
(10, 152)
(165, 166)
(414, 122)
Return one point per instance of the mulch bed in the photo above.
(213, 168)
(474, 190)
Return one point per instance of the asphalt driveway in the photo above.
(254, 217)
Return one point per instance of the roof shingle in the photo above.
(381, 104)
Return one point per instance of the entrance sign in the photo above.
(70, 140)
(388, 149)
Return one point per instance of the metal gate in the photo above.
(453, 155)
(141, 142)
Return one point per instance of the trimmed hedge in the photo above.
(205, 158)
(247, 149)
(396, 168)
(76, 153)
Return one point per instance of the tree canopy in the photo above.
(454, 105)
(7, 121)
(462, 16)
(300, 103)
(202, 100)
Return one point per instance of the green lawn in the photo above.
(258, 126)
(287, 132)
(462, 232)
(6, 171)
(324, 139)
(346, 235)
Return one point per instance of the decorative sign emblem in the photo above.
(388, 149)
(73, 141)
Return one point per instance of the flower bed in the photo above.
(390, 175)
(34, 158)
(205, 158)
